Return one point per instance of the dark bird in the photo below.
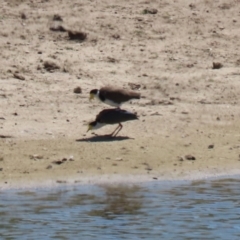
(113, 96)
(112, 116)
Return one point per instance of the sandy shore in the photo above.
(41, 162)
(189, 112)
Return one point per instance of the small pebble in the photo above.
(77, 90)
(58, 162)
(210, 146)
(61, 181)
(148, 169)
(49, 167)
(190, 157)
(180, 159)
(35, 156)
(19, 76)
(217, 65)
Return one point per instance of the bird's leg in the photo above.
(112, 134)
(116, 132)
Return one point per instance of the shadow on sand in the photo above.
(103, 138)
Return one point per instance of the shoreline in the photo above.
(115, 180)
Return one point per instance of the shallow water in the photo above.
(165, 210)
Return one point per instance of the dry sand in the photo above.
(187, 108)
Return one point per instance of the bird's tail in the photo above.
(137, 96)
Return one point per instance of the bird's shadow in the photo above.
(103, 138)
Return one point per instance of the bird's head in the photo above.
(92, 94)
(91, 125)
(95, 125)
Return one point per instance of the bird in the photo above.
(112, 116)
(113, 96)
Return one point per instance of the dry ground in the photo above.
(187, 106)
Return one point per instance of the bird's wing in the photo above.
(113, 116)
(119, 95)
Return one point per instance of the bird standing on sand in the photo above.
(113, 96)
(112, 116)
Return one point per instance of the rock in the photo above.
(5, 136)
(19, 76)
(112, 60)
(210, 146)
(36, 157)
(77, 90)
(49, 167)
(116, 36)
(190, 157)
(217, 65)
(58, 162)
(50, 66)
(190, 65)
(192, 6)
(180, 159)
(134, 86)
(162, 102)
(57, 17)
(61, 181)
(150, 11)
(57, 28)
(156, 114)
(77, 35)
(23, 16)
(148, 169)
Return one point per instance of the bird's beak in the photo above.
(89, 127)
(91, 96)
